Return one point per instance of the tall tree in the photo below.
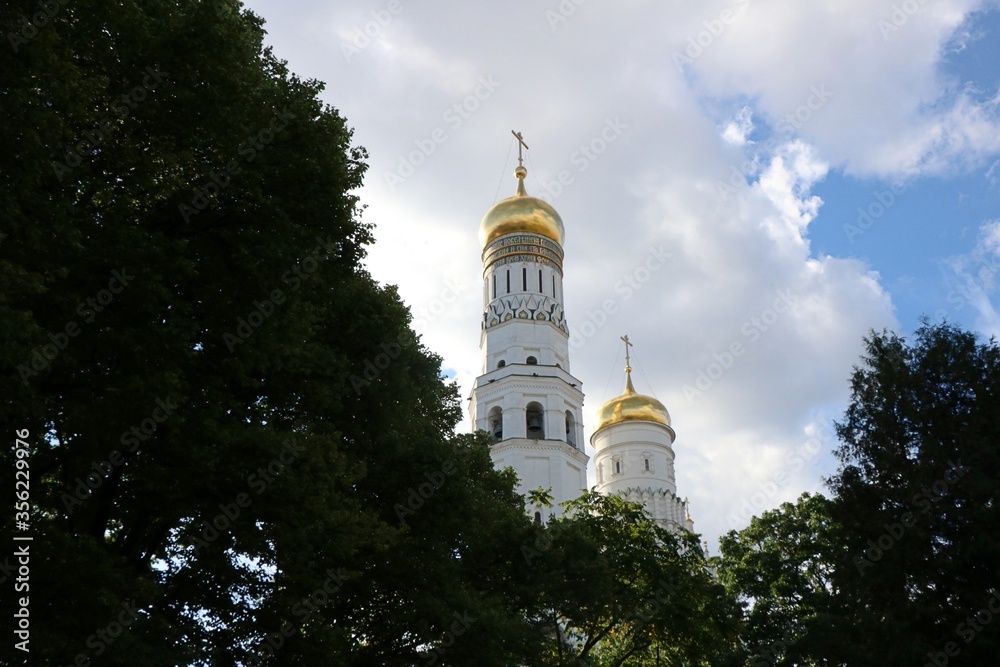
(616, 589)
(917, 498)
(239, 450)
(900, 566)
(782, 569)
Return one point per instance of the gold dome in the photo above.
(631, 406)
(521, 213)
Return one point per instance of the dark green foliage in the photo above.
(256, 406)
(782, 568)
(917, 496)
(895, 568)
(617, 590)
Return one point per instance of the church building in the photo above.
(527, 398)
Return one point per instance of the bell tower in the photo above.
(526, 397)
(633, 443)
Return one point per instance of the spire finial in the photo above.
(628, 344)
(520, 172)
(628, 366)
(520, 145)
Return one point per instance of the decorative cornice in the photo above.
(501, 385)
(603, 429)
(638, 444)
(650, 491)
(525, 307)
(531, 444)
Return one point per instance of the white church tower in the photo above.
(633, 442)
(526, 397)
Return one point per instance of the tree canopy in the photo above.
(617, 589)
(238, 446)
(241, 454)
(900, 566)
(917, 497)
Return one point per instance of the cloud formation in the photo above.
(724, 116)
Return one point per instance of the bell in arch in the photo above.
(535, 421)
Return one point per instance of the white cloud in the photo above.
(716, 167)
(785, 183)
(973, 278)
(888, 108)
(737, 130)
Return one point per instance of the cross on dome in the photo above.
(520, 145)
(628, 344)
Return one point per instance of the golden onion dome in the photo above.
(632, 406)
(521, 213)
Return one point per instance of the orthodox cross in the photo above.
(520, 145)
(628, 344)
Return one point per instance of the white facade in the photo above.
(526, 397)
(635, 459)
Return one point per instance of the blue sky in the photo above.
(736, 137)
(935, 218)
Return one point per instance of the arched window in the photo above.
(538, 518)
(531, 361)
(570, 429)
(496, 423)
(535, 418)
(647, 463)
(618, 467)
(501, 363)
